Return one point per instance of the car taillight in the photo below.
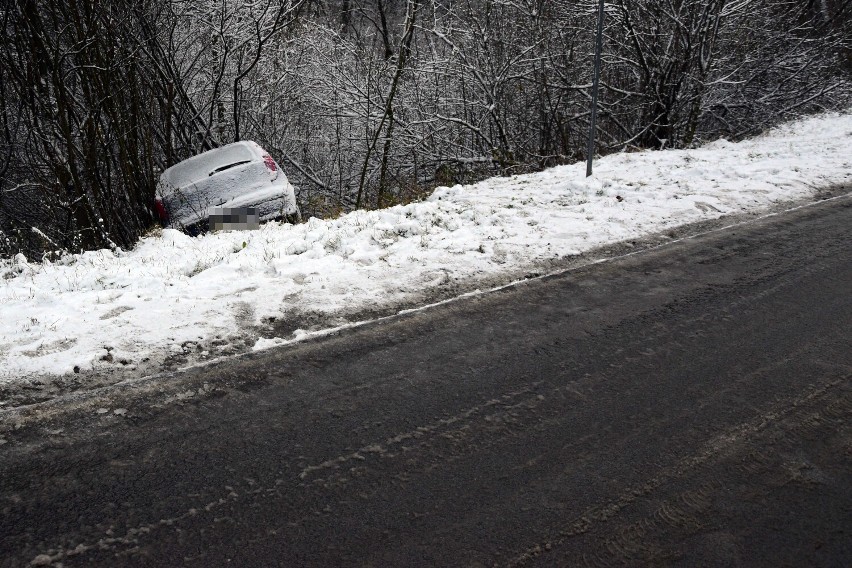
(161, 210)
(270, 163)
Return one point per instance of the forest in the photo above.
(369, 103)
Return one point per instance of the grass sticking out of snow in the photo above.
(175, 299)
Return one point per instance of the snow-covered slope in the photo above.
(176, 298)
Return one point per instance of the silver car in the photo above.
(237, 186)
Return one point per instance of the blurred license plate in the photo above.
(234, 219)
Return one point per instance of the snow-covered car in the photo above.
(233, 187)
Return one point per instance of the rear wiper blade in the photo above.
(228, 167)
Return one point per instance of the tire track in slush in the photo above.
(684, 508)
(492, 416)
(649, 539)
(334, 472)
(782, 274)
(442, 442)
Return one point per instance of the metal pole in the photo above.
(590, 148)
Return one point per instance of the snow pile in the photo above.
(174, 294)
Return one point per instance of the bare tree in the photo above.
(85, 164)
(370, 102)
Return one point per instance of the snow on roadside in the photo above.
(175, 293)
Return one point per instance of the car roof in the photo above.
(200, 166)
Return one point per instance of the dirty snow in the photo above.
(178, 296)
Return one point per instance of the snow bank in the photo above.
(174, 294)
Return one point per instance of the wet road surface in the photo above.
(685, 406)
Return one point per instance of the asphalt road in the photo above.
(684, 406)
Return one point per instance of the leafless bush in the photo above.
(372, 102)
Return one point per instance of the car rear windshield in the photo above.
(206, 164)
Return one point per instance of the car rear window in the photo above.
(203, 165)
